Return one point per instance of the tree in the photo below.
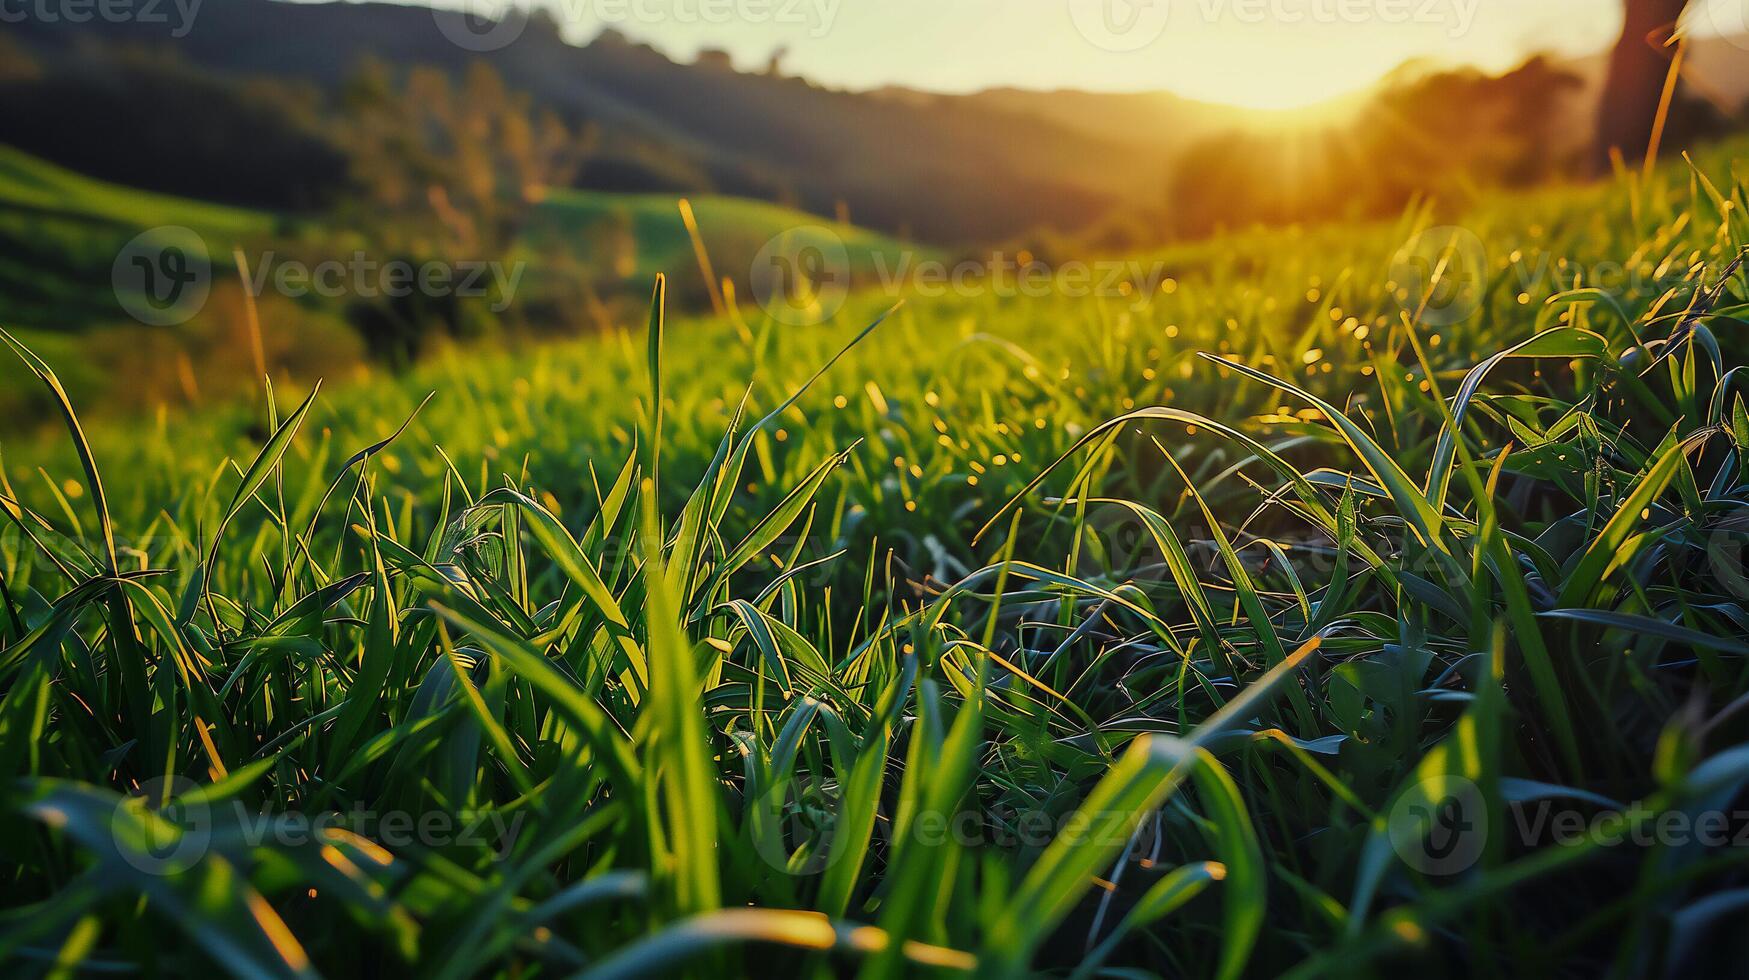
(1635, 84)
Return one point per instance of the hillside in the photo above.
(61, 230)
(949, 169)
(61, 233)
(29, 183)
(945, 175)
(640, 235)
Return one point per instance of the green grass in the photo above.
(733, 230)
(29, 182)
(60, 233)
(1271, 571)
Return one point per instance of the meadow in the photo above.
(581, 257)
(1241, 626)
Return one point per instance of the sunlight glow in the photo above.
(1263, 54)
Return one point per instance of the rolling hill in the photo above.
(655, 240)
(949, 169)
(60, 234)
(945, 173)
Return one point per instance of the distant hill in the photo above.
(59, 231)
(1158, 121)
(961, 170)
(28, 183)
(946, 169)
(654, 239)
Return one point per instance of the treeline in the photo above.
(379, 144)
(142, 118)
(408, 164)
(1449, 136)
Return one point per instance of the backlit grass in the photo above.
(1030, 634)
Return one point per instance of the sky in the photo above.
(1263, 53)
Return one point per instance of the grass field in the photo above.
(1240, 627)
(72, 226)
(60, 233)
(657, 240)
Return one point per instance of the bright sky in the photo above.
(1267, 53)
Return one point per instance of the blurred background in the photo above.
(193, 194)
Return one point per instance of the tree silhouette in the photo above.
(1637, 69)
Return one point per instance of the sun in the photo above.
(1274, 75)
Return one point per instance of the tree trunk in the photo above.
(1637, 70)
